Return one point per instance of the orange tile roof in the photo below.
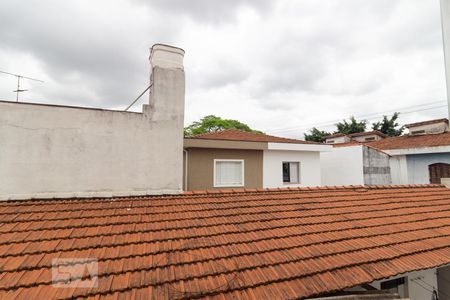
(335, 135)
(373, 132)
(412, 141)
(266, 244)
(237, 135)
(426, 122)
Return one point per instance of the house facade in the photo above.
(236, 159)
(421, 156)
(361, 137)
(355, 163)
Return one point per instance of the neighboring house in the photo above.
(355, 163)
(422, 156)
(54, 151)
(269, 244)
(233, 158)
(339, 138)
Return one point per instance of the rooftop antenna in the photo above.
(18, 90)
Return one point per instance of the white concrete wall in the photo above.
(273, 172)
(53, 151)
(419, 284)
(418, 172)
(430, 128)
(399, 169)
(338, 140)
(364, 137)
(342, 166)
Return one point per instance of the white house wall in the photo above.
(399, 169)
(48, 151)
(420, 284)
(418, 166)
(273, 172)
(342, 166)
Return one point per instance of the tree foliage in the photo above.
(352, 126)
(213, 123)
(316, 135)
(389, 126)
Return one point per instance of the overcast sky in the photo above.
(280, 66)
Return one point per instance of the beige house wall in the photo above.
(200, 166)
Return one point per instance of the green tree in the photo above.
(213, 123)
(316, 135)
(352, 126)
(389, 126)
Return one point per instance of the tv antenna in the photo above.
(18, 90)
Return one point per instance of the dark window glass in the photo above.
(286, 172)
(392, 284)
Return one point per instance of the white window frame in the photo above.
(299, 172)
(229, 160)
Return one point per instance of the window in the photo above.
(438, 171)
(398, 285)
(291, 172)
(370, 139)
(418, 132)
(228, 172)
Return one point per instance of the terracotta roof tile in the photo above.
(335, 135)
(426, 123)
(237, 135)
(266, 244)
(412, 141)
(376, 132)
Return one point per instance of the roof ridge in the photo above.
(241, 135)
(310, 188)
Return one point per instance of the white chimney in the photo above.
(167, 84)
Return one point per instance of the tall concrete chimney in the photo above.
(168, 84)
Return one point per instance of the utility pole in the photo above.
(445, 22)
(18, 90)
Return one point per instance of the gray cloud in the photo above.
(214, 11)
(284, 61)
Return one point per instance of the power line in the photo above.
(359, 116)
(374, 115)
(18, 90)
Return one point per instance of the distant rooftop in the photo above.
(426, 122)
(412, 141)
(373, 132)
(237, 135)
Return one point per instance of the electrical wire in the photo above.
(322, 125)
(358, 116)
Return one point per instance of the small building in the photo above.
(421, 156)
(355, 163)
(233, 158)
(362, 137)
